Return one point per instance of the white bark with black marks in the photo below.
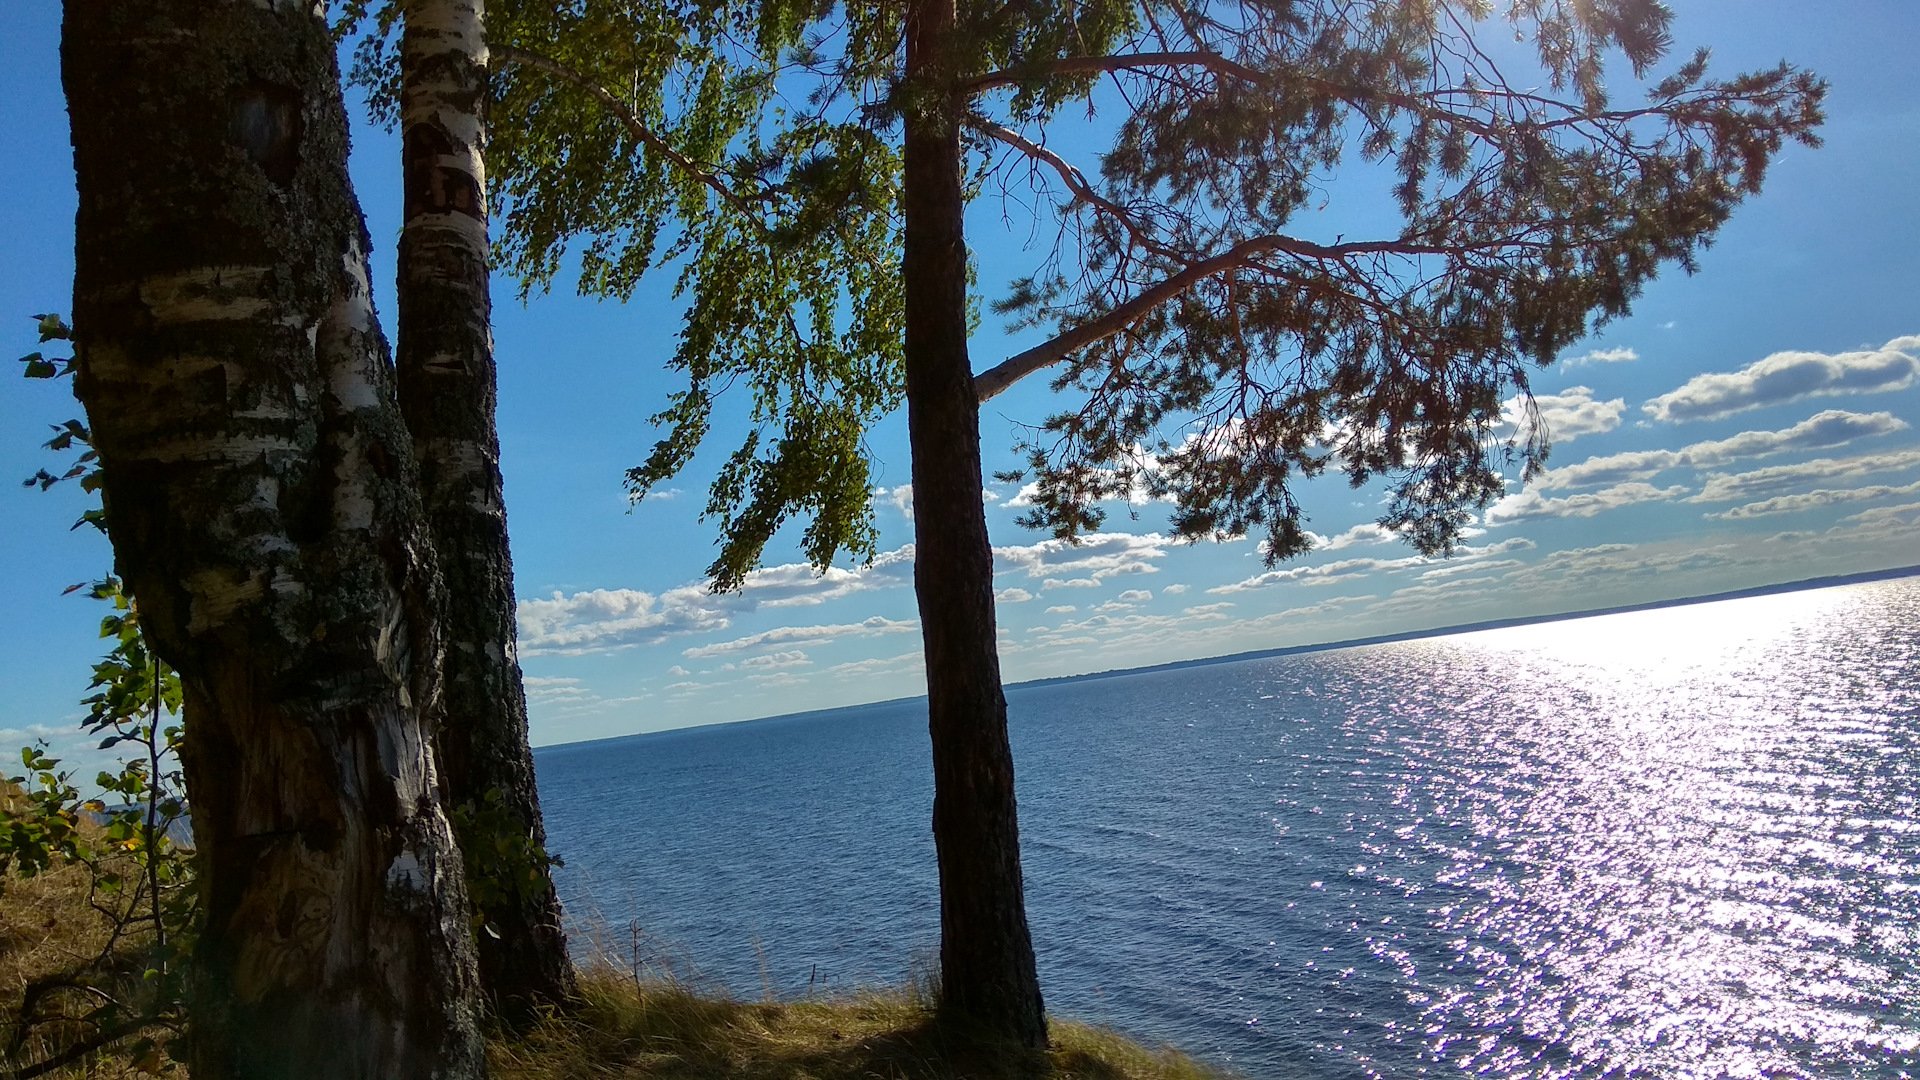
(448, 392)
(260, 494)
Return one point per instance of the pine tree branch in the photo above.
(1077, 183)
(1427, 104)
(1240, 256)
(991, 382)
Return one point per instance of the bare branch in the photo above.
(1428, 103)
(1077, 183)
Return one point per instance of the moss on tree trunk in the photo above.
(447, 384)
(260, 494)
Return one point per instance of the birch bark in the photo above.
(260, 494)
(447, 384)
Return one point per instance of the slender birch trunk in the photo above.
(447, 388)
(260, 493)
(987, 972)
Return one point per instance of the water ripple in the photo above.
(1677, 843)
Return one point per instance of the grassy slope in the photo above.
(655, 1030)
(48, 929)
(668, 1032)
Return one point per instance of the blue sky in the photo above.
(1756, 423)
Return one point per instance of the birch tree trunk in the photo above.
(447, 386)
(987, 973)
(260, 493)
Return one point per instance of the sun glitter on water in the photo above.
(1668, 643)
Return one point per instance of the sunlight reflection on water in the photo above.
(1701, 854)
(1676, 843)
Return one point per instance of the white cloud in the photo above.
(1784, 479)
(901, 662)
(800, 585)
(1791, 376)
(803, 635)
(1455, 570)
(1141, 459)
(1602, 356)
(1175, 590)
(1569, 414)
(1062, 609)
(34, 732)
(1824, 430)
(1012, 596)
(1486, 551)
(1883, 517)
(600, 620)
(1321, 574)
(1531, 504)
(1349, 569)
(1821, 431)
(777, 661)
(1367, 532)
(776, 679)
(901, 497)
(607, 620)
(1135, 596)
(1100, 556)
(1814, 500)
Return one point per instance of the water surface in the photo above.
(1673, 843)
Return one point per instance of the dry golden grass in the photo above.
(658, 1030)
(666, 1032)
(49, 930)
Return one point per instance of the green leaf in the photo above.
(53, 328)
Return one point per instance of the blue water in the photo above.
(1676, 843)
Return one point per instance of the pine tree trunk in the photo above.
(987, 975)
(447, 387)
(260, 494)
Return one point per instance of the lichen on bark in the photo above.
(260, 495)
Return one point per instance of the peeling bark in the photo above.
(447, 383)
(987, 972)
(260, 492)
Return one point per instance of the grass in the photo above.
(651, 1027)
(663, 1031)
(61, 950)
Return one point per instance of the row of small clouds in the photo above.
(601, 620)
(1822, 431)
(606, 620)
(1340, 570)
(1780, 378)
(1774, 489)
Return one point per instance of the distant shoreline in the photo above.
(1828, 582)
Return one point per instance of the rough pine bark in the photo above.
(260, 495)
(987, 974)
(447, 384)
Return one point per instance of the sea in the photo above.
(1674, 843)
